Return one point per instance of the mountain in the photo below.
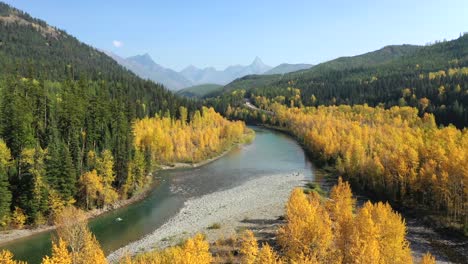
(145, 67)
(199, 91)
(287, 68)
(60, 94)
(432, 78)
(367, 60)
(211, 75)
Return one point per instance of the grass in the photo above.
(215, 226)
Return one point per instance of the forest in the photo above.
(59, 155)
(432, 78)
(393, 153)
(69, 124)
(317, 230)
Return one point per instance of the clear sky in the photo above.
(219, 33)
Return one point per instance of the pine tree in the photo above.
(60, 172)
(16, 118)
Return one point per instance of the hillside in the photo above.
(367, 60)
(287, 68)
(432, 78)
(199, 91)
(66, 109)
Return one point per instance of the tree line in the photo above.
(79, 142)
(393, 153)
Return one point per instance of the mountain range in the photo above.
(145, 67)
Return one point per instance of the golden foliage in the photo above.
(207, 134)
(328, 232)
(427, 259)
(18, 218)
(390, 151)
(193, 251)
(317, 231)
(267, 255)
(340, 207)
(60, 254)
(308, 229)
(6, 257)
(249, 247)
(72, 227)
(96, 184)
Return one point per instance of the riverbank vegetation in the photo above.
(317, 230)
(67, 133)
(393, 153)
(103, 164)
(74, 243)
(207, 134)
(66, 114)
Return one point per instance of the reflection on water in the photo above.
(269, 153)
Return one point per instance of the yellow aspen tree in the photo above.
(196, 250)
(6, 257)
(364, 246)
(60, 254)
(193, 251)
(105, 169)
(267, 255)
(91, 251)
(56, 204)
(340, 207)
(308, 229)
(394, 248)
(18, 218)
(249, 247)
(91, 186)
(72, 227)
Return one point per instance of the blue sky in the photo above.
(219, 33)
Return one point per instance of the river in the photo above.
(270, 153)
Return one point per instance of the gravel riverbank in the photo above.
(260, 199)
(7, 236)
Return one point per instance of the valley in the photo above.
(360, 156)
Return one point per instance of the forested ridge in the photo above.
(68, 119)
(432, 78)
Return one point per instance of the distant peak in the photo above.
(257, 60)
(145, 56)
(143, 59)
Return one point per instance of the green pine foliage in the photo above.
(60, 100)
(394, 75)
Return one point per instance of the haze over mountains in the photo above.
(145, 67)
